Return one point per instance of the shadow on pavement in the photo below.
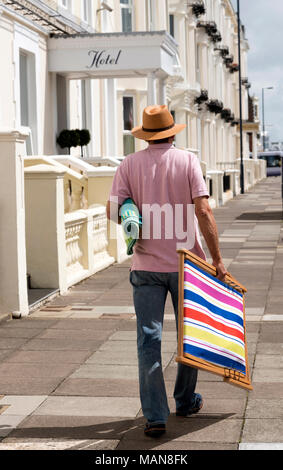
(128, 431)
(272, 215)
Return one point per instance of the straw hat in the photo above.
(158, 123)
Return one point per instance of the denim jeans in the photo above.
(150, 290)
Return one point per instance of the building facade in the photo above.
(88, 64)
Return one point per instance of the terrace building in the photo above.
(88, 64)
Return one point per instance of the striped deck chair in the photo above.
(212, 329)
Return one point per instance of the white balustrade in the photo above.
(86, 243)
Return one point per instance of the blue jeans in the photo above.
(150, 291)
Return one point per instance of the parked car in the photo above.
(273, 162)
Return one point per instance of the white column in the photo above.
(151, 89)
(181, 138)
(162, 91)
(254, 137)
(13, 269)
(110, 117)
(46, 248)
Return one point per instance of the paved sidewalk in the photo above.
(68, 372)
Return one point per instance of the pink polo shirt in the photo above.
(162, 181)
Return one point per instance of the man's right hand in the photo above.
(220, 269)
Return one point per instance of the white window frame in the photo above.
(30, 128)
(86, 9)
(26, 41)
(129, 6)
(64, 4)
(150, 15)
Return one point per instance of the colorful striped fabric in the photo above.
(213, 320)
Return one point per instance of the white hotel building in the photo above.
(88, 64)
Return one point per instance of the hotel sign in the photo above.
(100, 58)
(103, 56)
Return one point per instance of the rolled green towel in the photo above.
(131, 222)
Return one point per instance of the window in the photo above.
(128, 124)
(67, 4)
(150, 15)
(27, 111)
(171, 25)
(86, 11)
(198, 63)
(83, 104)
(24, 89)
(127, 15)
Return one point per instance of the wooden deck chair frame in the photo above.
(229, 375)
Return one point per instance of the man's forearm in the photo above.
(209, 230)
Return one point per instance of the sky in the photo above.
(263, 21)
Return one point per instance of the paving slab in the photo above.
(21, 405)
(262, 430)
(268, 375)
(268, 361)
(264, 390)
(12, 343)
(261, 446)
(90, 406)
(270, 348)
(31, 386)
(100, 324)
(60, 345)
(19, 332)
(38, 370)
(269, 408)
(96, 371)
(48, 357)
(79, 334)
(28, 322)
(5, 354)
(108, 387)
(58, 444)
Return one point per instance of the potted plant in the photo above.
(202, 97)
(216, 37)
(214, 106)
(235, 122)
(198, 9)
(84, 138)
(228, 60)
(234, 68)
(211, 28)
(224, 51)
(226, 114)
(67, 139)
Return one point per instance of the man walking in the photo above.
(163, 181)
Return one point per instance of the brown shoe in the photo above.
(154, 430)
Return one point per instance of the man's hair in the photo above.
(161, 141)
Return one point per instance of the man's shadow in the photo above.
(128, 431)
